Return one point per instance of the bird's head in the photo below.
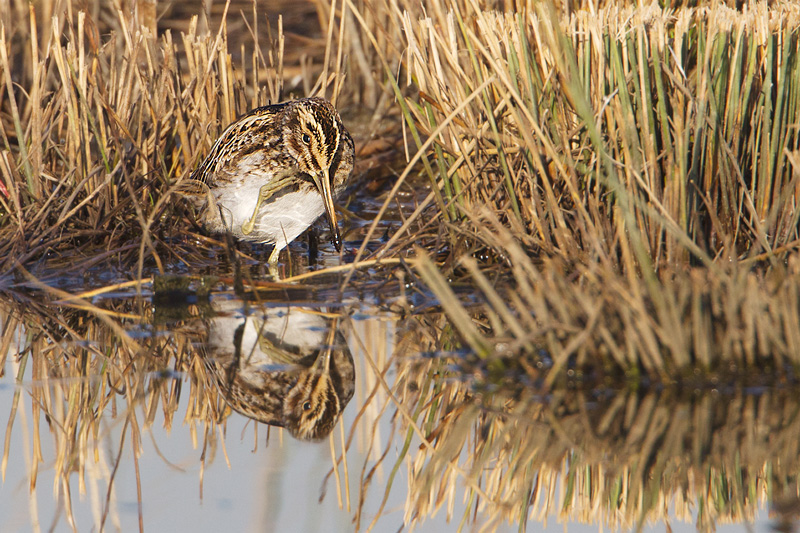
(314, 135)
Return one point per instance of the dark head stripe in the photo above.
(328, 132)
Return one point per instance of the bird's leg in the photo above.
(273, 257)
(277, 183)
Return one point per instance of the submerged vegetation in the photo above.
(618, 184)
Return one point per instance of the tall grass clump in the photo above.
(672, 130)
(102, 116)
(613, 151)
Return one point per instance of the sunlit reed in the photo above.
(621, 185)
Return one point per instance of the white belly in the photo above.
(279, 221)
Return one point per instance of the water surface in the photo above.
(110, 427)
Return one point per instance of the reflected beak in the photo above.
(323, 362)
(323, 184)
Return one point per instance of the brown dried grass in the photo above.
(621, 185)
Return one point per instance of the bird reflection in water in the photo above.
(288, 367)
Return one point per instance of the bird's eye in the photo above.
(306, 406)
(306, 138)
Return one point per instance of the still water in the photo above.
(135, 410)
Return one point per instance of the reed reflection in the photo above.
(621, 459)
(286, 366)
(513, 452)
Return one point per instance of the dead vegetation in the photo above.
(619, 184)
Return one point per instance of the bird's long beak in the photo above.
(323, 183)
(323, 362)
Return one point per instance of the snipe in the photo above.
(274, 171)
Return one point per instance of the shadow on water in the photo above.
(427, 433)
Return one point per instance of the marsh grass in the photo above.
(634, 168)
(619, 148)
(619, 186)
(676, 128)
(102, 120)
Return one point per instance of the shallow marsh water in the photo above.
(111, 429)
